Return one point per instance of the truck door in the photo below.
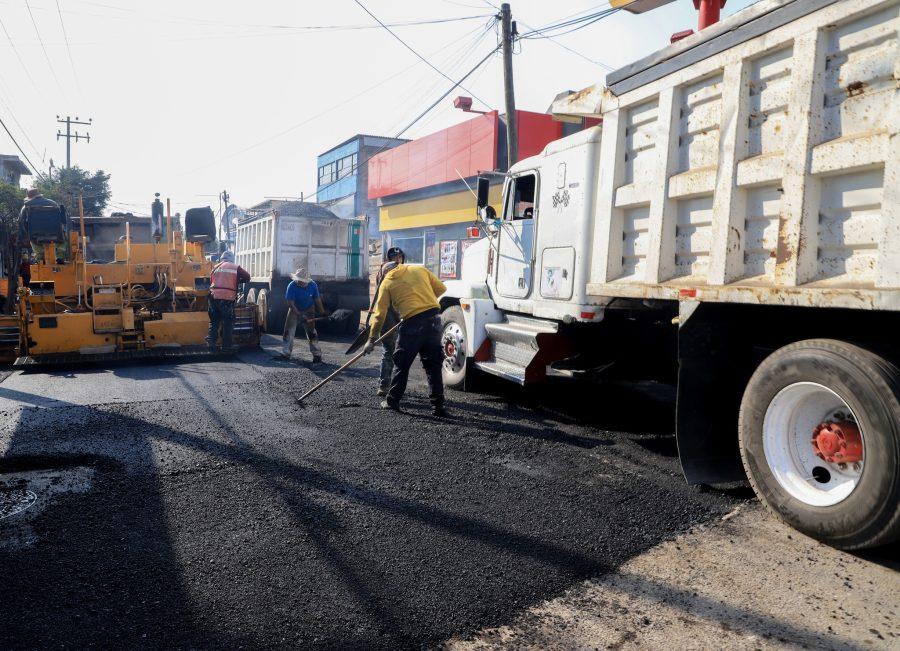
(516, 245)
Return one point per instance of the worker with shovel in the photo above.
(389, 343)
(303, 301)
(413, 291)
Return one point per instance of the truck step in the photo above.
(505, 370)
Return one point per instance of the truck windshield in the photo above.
(522, 193)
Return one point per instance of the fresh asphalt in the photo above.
(199, 505)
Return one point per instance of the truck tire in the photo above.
(819, 429)
(273, 306)
(457, 365)
(262, 306)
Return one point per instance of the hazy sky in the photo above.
(191, 97)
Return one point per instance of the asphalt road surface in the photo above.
(199, 505)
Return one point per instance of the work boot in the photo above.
(317, 359)
(391, 405)
(382, 392)
(438, 411)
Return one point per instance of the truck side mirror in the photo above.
(483, 189)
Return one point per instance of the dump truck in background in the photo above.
(734, 227)
(275, 238)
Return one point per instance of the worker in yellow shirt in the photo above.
(413, 292)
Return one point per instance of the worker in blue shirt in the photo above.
(303, 301)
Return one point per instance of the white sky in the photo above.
(191, 97)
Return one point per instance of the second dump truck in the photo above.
(277, 237)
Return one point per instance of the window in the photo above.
(412, 247)
(327, 174)
(346, 166)
(338, 169)
(521, 194)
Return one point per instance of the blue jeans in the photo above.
(221, 313)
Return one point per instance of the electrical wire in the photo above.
(19, 56)
(41, 41)
(311, 118)
(411, 49)
(561, 44)
(68, 47)
(455, 85)
(21, 151)
(182, 20)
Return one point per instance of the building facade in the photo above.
(425, 188)
(342, 174)
(12, 169)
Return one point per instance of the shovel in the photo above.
(344, 367)
(363, 335)
(337, 315)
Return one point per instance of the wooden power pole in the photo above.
(508, 33)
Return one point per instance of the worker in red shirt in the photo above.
(224, 281)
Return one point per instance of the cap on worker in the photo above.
(227, 256)
(395, 251)
(301, 276)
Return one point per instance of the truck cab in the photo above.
(524, 285)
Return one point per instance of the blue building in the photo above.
(343, 178)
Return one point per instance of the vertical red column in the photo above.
(709, 11)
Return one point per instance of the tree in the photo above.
(69, 182)
(11, 197)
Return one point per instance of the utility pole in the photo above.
(508, 34)
(69, 136)
(223, 227)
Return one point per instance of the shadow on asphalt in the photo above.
(108, 572)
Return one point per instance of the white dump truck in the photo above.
(733, 224)
(275, 238)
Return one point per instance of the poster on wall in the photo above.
(449, 250)
(431, 250)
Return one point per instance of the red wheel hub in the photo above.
(838, 442)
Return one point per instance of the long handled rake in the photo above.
(343, 368)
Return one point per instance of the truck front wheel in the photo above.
(454, 343)
(819, 431)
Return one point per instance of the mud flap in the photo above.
(709, 394)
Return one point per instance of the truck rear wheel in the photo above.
(819, 429)
(272, 311)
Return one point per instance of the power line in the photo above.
(21, 151)
(410, 48)
(182, 20)
(18, 56)
(561, 44)
(68, 47)
(456, 84)
(311, 118)
(41, 40)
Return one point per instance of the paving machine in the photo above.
(151, 301)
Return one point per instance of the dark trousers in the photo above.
(419, 335)
(221, 313)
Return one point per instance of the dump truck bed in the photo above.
(755, 162)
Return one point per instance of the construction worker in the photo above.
(413, 291)
(156, 217)
(303, 301)
(392, 259)
(224, 281)
(37, 204)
